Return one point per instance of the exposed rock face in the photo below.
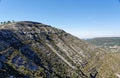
(31, 49)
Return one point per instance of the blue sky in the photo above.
(82, 18)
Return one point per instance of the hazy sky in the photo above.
(82, 18)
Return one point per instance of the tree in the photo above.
(4, 22)
(13, 21)
(8, 22)
(1, 23)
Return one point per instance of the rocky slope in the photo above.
(30, 49)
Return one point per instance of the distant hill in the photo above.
(105, 41)
(111, 44)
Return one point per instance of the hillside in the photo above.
(110, 67)
(35, 50)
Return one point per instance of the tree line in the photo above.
(6, 22)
